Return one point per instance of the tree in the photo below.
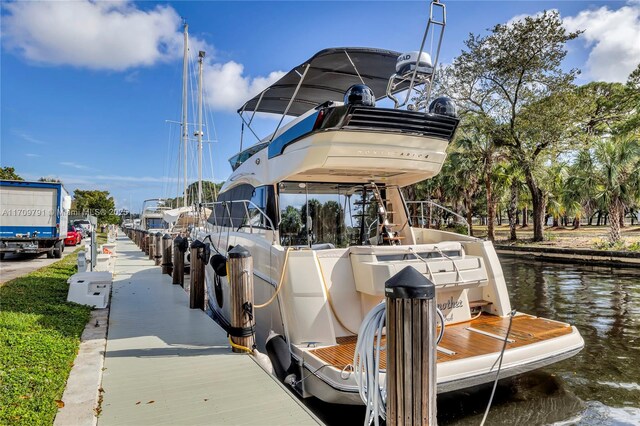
(581, 186)
(290, 223)
(210, 192)
(619, 180)
(9, 173)
(553, 184)
(513, 70)
(95, 203)
(49, 179)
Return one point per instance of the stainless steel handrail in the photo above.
(422, 203)
(246, 204)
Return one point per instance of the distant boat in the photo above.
(152, 218)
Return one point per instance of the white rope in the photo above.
(366, 364)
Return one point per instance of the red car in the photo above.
(74, 237)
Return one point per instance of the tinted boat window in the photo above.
(323, 213)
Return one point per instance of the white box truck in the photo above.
(33, 217)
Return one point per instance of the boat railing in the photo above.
(424, 219)
(234, 220)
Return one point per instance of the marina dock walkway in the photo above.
(168, 364)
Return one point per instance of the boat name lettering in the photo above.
(393, 153)
(450, 304)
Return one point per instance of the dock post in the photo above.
(411, 349)
(167, 262)
(157, 253)
(179, 247)
(146, 242)
(196, 292)
(136, 237)
(241, 289)
(151, 242)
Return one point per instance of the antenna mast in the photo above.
(185, 130)
(199, 133)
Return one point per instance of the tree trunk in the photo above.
(512, 211)
(599, 217)
(576, 222)
(538, 202)
(468, 201)
(491, 208)
(614, 214)
(555, 222)
(525, 216)
(621, 216)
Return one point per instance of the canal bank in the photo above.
(571, 255)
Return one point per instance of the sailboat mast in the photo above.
(200, 60)
(185, 130)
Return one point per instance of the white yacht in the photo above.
(152, 218)
(319, 204)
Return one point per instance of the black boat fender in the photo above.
(278, 352)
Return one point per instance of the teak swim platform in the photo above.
(464, 340)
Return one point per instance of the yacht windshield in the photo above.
(325, 215)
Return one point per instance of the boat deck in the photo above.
(168, 364)
(465, 339)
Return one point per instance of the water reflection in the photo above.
(599, 386)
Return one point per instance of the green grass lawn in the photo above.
(39, 339)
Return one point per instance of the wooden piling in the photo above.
(241, 298)
(167, 261)
(196, 292)
(151, 244)
(179, 248)
(148, 240)
(411, 349)
(157, 254)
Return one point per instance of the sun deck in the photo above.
(464, 340)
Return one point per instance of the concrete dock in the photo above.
(168, 364)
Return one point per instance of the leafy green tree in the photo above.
(509, 76)
(553, 183)
(9, 173)
(618, 160)
(290, 224)
(210, 192)
(581, 187)
(95, 203)
(49, 179)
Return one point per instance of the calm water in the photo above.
(599, 386)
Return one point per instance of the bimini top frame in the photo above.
(329, 73)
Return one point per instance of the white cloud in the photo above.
(27, 137)
(74, 165)
(226, 88)
(614, 39)
(96, 35)
(527, 15)
(32, 155)
(116, 35)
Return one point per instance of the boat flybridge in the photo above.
(319, 204)
(152, 218)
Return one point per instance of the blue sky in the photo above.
(86, 89)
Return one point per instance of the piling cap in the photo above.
(197, 244)
(158, 234)
(177, 240)
(239, 252)
(166, 237)
(409, 284)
